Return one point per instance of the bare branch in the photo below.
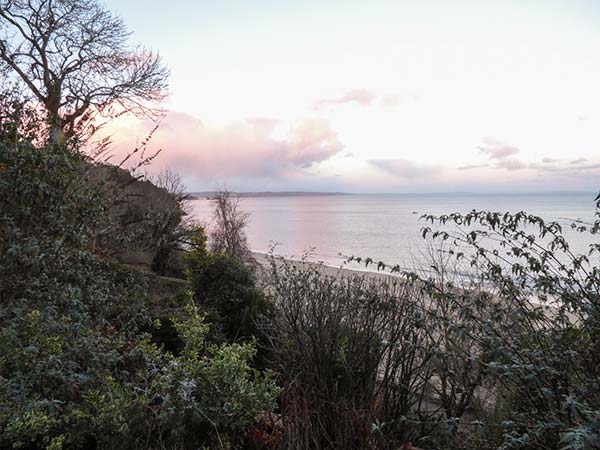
(73, 55)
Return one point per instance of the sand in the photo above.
(264, 261)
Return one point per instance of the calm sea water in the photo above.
(384, 227)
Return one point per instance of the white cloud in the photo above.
(403, 168)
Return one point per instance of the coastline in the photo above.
(263, 261)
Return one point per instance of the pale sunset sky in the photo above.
(375, 96)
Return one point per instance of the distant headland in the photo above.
(211, 194)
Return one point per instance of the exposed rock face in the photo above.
(144, 218)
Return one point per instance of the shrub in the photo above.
(516, 346)
(543, 336)
(227, 289)
(77, 367)
(354, 357)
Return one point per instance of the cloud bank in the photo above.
(264, 153)
(557, 172)
(254, 147)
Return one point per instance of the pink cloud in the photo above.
(495, 149)
(247, 148)
(363, 97)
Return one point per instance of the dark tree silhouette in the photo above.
(74, 57)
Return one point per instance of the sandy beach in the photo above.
(264, 261)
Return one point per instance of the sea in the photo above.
(384, 227)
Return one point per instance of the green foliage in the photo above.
(19, 120)
(227, 289)
(78, 368)
(544, 338)
(229, 392)
(107, 387)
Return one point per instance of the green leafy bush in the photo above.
(78, 365)
(543, 338)
(227, 288)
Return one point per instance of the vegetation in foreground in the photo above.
(95, 353)
(84, 359)
(99, 352)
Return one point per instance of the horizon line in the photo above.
(342, 193)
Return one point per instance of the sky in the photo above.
(374, 96)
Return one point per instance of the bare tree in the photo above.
(74, 57)
(228, 233)
(170, 181)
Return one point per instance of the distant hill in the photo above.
(211, 194)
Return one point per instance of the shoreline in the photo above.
(326, 269)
